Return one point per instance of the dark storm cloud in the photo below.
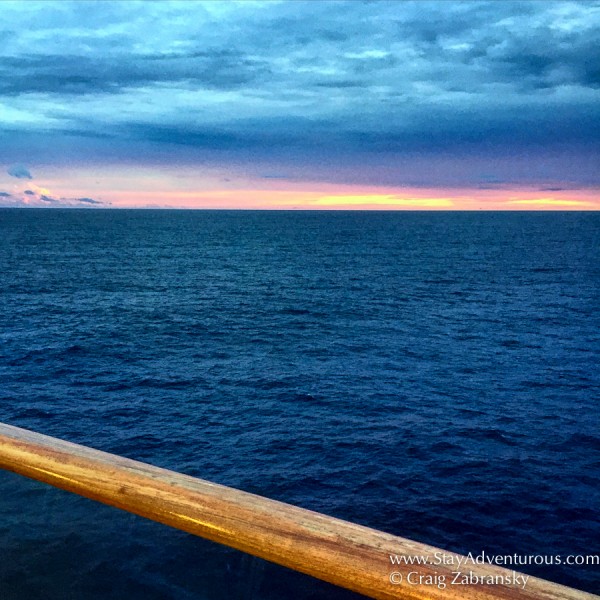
(538, 61)
(19, 171)
(440, 130)
(210, 138)
(78, 75)
(29, 192)
(343, 78)
(5, 195)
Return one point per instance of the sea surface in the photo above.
(433, 375)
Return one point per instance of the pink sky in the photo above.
(144, 187)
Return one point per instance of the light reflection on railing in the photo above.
(342, 553)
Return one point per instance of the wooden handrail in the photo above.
(342, 553)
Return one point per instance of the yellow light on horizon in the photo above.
(551, 202)
(383, 200)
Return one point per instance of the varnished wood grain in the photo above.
(337, 551)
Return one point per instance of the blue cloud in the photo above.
(19, 171)
(89, 201)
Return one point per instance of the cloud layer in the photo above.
(39, 199)
(336, 91)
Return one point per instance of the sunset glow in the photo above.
(555, 202)
(384, 200)
(293, 105)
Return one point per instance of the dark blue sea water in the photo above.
(434, 375)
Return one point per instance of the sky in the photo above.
(477, 105)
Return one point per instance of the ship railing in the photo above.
(342, 553)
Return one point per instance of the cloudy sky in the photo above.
(319, 104)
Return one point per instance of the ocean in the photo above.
(433, 375)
